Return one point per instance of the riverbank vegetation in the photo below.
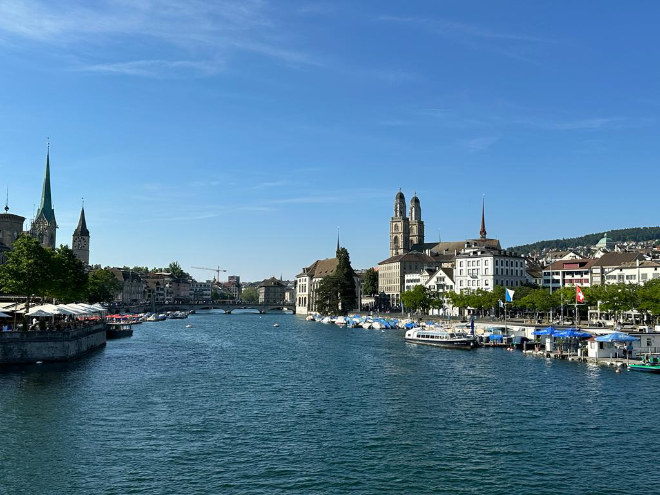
(614, 299)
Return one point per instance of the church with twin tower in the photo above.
(405, 231)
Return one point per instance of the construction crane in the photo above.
(216, 270)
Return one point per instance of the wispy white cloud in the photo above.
(155, 67)
(445, 26)
(507, 44)
(199, 35)
(271, 184)
(481, 143)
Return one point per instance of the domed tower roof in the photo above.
(415, 213)
(400, 205)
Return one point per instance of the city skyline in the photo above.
(241, 134)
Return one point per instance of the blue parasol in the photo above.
(546, 331)
(570, 333)
(616, 337)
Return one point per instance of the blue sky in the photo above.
(243, 133)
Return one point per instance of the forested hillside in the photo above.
(636, 234)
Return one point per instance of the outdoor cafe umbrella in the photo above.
(616, 337)
(39, 312)
(572, 333)
(546, 331)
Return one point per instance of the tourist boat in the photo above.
(650, 364)
(441, 338)
(118, 330)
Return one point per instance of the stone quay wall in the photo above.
(61, 345)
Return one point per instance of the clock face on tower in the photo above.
(79, 243)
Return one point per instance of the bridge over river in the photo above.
(227, 307)
(261, 308)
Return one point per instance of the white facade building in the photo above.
(307, 283)
(480, 266)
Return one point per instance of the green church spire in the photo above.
(46, 205)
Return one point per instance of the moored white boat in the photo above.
(441, 338)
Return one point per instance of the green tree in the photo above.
(27, 271)
(103, 286)
(345, 281)
(327, 295)
(416, 299)
(250, 295)
(177, 272)
(649, 297)
(619, 298)
(69, 280)
(370, 282)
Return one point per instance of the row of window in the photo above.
(498, 262)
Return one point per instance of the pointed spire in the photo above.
(81, 229)
(337, 240)
(46, 205)
(482, 232)
(7, 202)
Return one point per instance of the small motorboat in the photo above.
(649, 364)
(276, 325)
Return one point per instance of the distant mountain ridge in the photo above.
(635, 234)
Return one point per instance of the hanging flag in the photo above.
(501, 303)
(579, 296)
(509, 295)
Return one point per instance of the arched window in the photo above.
(395, 242)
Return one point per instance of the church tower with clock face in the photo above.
(44, 225)
(80, 241)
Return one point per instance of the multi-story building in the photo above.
(307, 283)
(180, 290)
(392, 272)
(608, 262)
(633, 272)
(568, 272)
(442, 280)
(132, 286)
(271, 291)
(233, 286)
(483, 264)
(200, 291)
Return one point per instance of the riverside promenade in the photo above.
(24, 347)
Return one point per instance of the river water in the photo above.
(236, 405)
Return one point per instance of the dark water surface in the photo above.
(234, 405)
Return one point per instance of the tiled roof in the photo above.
(321, 268)
(272, 282)
(616, 259)
(413, 256)
(582, 264)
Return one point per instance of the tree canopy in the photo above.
(250, 295)
(370, 282)
(28, 270)
(103, 286)
(337, 293)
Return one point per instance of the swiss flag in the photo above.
(579, 297)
